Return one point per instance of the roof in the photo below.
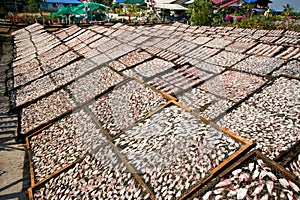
(170, 6)
(189, 2)
(250, 1)
(64, 1)
(229, 3)
(218, 1)
(131, 2)
(224, 3)
(164, 1)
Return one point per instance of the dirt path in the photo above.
(14, 173)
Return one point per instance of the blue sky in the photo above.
(278, 4)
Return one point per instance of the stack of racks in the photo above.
(127, 112)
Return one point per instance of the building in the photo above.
(54, 5)
(227, 3)
(12, 5)
(221, 3)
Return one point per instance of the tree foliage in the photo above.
(104, 2)
(287, 10)
(32, 4)
(201, 12)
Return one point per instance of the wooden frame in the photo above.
(238, 163)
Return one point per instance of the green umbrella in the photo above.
(91, 6)
(78, 10)
(63, 11)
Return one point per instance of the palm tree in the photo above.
(287, 12)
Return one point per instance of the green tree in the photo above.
(32, 4)
(219, 17)
(105, 2)
(201, 12)
(287, 10)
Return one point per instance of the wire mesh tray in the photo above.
(178, 79)
(59, 144)
(134, 58)
(83, 163)
(124, 105)
(149, 68)
(45, 111)
(290, 159)
(253, 176)
(94, 84)
(173, 151)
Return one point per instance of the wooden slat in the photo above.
(166, 95)
(181, 106)
(237, 163)
(157, 110)
(31, 170)
(219, 169)
(27, 143)
(287, 156)
(234, 156)
(38, 131)
(59, 171)
(235, 136)
(125, 162)
(133, 172)
(30, 194)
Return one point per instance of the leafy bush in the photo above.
(201, 13)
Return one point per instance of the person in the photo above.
(129, 16)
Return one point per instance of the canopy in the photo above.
(131, 2)
(91, 6)
(134, 2)
(78, 10)
(169, 6)
(65, 10)
(64, 1)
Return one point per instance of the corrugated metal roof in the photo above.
(224, 3)
(64, 1)
(229, 3)
(164, 1)
(218, 1)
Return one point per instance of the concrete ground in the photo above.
(14, 172)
